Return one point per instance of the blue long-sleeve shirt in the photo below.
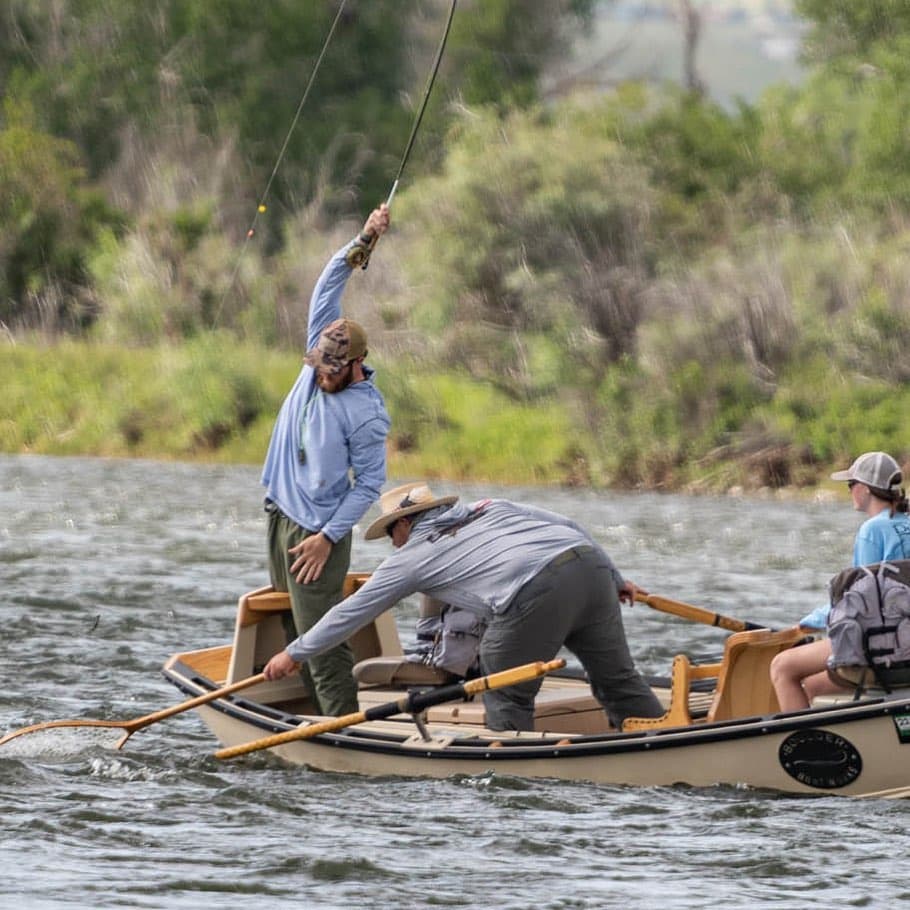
(879, 538)
(342, 435)
(480, 567)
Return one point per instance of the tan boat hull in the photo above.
(846, 748)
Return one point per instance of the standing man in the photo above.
(324, 468)
(537, 578)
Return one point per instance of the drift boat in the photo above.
(722, 724)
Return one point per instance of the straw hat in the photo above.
(402, 501)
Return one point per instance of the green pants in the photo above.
(328, 676)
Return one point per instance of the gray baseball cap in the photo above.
(875, 469)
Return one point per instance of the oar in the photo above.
(131, 726)
(412, 703)
(696, 614)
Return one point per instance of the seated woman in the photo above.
(874, 480)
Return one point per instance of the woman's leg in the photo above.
(822, 684)
(791, 668)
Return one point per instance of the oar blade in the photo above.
(58, 724)
(129, 727)
(62, 738)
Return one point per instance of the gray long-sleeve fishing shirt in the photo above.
(474, 557)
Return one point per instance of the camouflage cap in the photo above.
(341, 342)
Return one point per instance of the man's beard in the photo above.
(347, 377)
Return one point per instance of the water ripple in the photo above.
(110, 567)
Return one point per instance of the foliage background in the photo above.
(637, 287)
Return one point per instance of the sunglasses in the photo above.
(407, 501)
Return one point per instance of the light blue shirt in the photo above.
(480, 567)
(882, 537)
(878, 539)
(342, 435)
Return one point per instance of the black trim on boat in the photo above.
(559, 746)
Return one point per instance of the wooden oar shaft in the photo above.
(204, 699)
(412, 703)
(696, 614)
(512, 677)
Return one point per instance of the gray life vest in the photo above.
(450, 641)
(869, 622)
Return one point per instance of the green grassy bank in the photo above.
(215, 400)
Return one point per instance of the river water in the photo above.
(109, 567)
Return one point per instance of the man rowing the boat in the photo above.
(537, 579)
(325, 467)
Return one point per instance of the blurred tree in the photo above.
(51, 218)
(102, 67)
(500, 47)
(845, 28)
(533, 244)
(853, 110)
(691, 21)
(183, 105)
(97, 68)
(699, 155)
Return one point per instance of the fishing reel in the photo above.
(358, 256)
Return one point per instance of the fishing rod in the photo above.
(359, 254)
(262, 207)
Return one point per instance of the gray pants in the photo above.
(572, 602)
(328, 676)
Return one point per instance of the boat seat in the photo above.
(743, 680)
(259, 630)
(399, 671)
